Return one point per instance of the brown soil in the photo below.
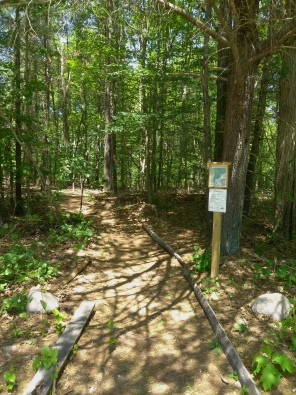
(162, 335)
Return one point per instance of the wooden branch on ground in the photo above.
(76, 271)
(226, 345)
(42, 381)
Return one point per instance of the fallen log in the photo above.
(43, 379)
(226, 345)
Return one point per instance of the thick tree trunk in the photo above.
(236, 145)
(257, 133)
(285, 180)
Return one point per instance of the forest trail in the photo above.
(148, 335)
(160, 333)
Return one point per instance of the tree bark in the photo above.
(18, 122)
(285, 179)
(257, 135)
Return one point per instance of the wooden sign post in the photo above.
(218, 183)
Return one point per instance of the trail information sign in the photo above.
(217, 200)
(218, 184)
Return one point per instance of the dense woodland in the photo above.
(142, 94)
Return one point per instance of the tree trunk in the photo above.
(257, 133)
(285, 180)
(223, 64)
(236, 142)
(108, 147)
(18, 122)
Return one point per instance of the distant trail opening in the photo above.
(226, 345)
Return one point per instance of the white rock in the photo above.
(276, 306)
(35, 297)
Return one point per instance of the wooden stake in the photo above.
(216, 240)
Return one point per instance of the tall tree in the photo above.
(18, 114)
(285, 180)
(246, 51)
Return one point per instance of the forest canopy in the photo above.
(141, 95)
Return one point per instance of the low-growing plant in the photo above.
(21, 264)
(59, 320)
(244, 390)
(240, 327)
(47, 360)
(110, 325)
(202, 260)
(262, 269)
(15, 332)
(10, 378)
(75, 349)
(210, 285)
(270, 365)
(214, 345)
(73, 227)
(16, 304)
(233, 375)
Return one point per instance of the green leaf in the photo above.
(270, 377)
(112, 340)
(267, 350)
(261, 361)
(110, 324)
(293, 340)
(240, 327)
(284, 362)
(10, 377)
(36, 363)
(45, 351)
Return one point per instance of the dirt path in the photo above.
(160, 339)
(161, 333)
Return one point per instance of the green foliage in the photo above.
(240, 327)
(71, 227)
(262, 269)
(285, 273)
(10, 378)
(214, 345)
(233, 375)
(202, 260)
(49, 357)
(16, 332)
(270, 365)
(110, 325)
(22, 264)
(75, 349)
(210, 285)
(15, 304)
(59, 320)
(244, 390)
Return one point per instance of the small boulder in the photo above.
(35, 297)
(275, 305)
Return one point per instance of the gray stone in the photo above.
(35, 297)
(275, 305)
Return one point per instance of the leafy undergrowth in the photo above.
(265, 265)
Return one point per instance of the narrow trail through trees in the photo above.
(159, 342)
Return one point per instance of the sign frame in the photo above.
(218, 174)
